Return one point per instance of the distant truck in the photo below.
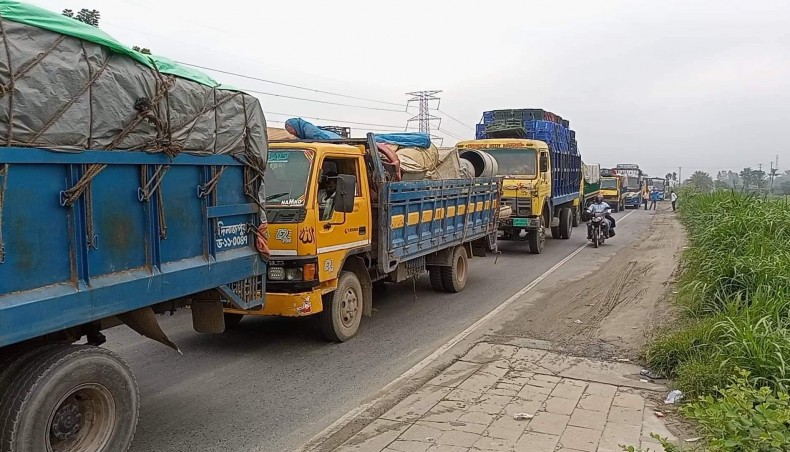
(634, 184)
(613, 189)
(324, 260)
(591, 182)
(130, 186)
(538, 157)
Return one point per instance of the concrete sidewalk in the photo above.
(578, 405)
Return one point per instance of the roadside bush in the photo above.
(743, 418)
(701, 375)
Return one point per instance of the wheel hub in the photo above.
(349, 307)
(67, 421)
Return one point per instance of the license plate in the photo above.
(522, 222)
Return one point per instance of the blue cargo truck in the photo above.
(538, 157)
(129, 186)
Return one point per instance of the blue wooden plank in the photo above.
(44, 156)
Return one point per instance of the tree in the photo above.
(701, 181)
(88, 16)
(785, 187)
(143, 50)
(674, 176)
(668, 176)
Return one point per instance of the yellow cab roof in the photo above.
(317, 146)
(499, 143)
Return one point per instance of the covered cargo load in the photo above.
(75, 88)
(592, 173)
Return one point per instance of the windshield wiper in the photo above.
(275, 196)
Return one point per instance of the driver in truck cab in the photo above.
(599, 206)
(326, 194)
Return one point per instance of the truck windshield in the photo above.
(286, 176)
(608, 184)
(514, 162)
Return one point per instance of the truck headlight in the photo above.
(276, 273)
(293, 274)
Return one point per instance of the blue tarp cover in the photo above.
(307, 131)
(406, 139)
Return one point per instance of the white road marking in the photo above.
(428, 360)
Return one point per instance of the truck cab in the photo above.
(319, 214)
(613, 192)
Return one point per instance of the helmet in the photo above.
(599, 199)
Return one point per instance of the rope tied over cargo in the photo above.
(70, 196)
(207, 188)
(147, 190)
(3, 186)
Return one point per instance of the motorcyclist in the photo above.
(599, 206)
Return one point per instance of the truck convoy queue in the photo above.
(135, 186)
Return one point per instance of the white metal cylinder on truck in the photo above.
(484, 164)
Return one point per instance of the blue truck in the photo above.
(129, 187)
(538, 157)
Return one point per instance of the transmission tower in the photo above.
(424, 117)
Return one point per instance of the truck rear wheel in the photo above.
(615, 207)
(454, 278)
(70, 398)
(566, 223)
(435, 277)
(537, 239)
(342, 312)
(577, 216)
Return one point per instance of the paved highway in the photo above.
(273, 383)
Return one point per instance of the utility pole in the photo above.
(760, 177)
(680, 175)
(424, 116)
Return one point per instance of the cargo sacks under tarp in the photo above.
(75, 88)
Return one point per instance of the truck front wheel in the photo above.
(70, 398)
(342, 312)
(454, 277)
(537, 239)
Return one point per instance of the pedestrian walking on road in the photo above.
(645, 198)
(653, 199)
(674, 198)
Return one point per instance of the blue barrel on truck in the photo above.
(129, 186)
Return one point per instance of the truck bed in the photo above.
(119, 247)
(421, 217)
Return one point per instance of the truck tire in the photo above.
(70, 398)
(232, 320)
(566, 223)
(454, 277)
(435, 277)
(615, 207)
(537, 239)
(342, 312)
(577, 216)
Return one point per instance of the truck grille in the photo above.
(521, 207)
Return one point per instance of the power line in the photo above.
(424, 117)
(456, 120)
(450, 134)
(289, 85)
(321, 101)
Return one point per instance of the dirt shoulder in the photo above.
(613, 310)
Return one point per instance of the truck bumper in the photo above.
(288, 304)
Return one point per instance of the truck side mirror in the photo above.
(344, 194)
(544, 162)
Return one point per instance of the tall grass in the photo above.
(736, 290)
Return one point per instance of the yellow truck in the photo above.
(338, 222)
(613, 190)
(542, 186)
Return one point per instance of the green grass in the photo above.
(735, 295)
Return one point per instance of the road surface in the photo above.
(273, 383)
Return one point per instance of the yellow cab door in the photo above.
(337, 233)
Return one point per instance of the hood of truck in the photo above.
(513, 188)
(292, 239)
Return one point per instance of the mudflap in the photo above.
(207, 316)
(144, 322)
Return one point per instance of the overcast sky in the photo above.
(701, 84)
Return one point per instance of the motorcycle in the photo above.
(596, 223)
